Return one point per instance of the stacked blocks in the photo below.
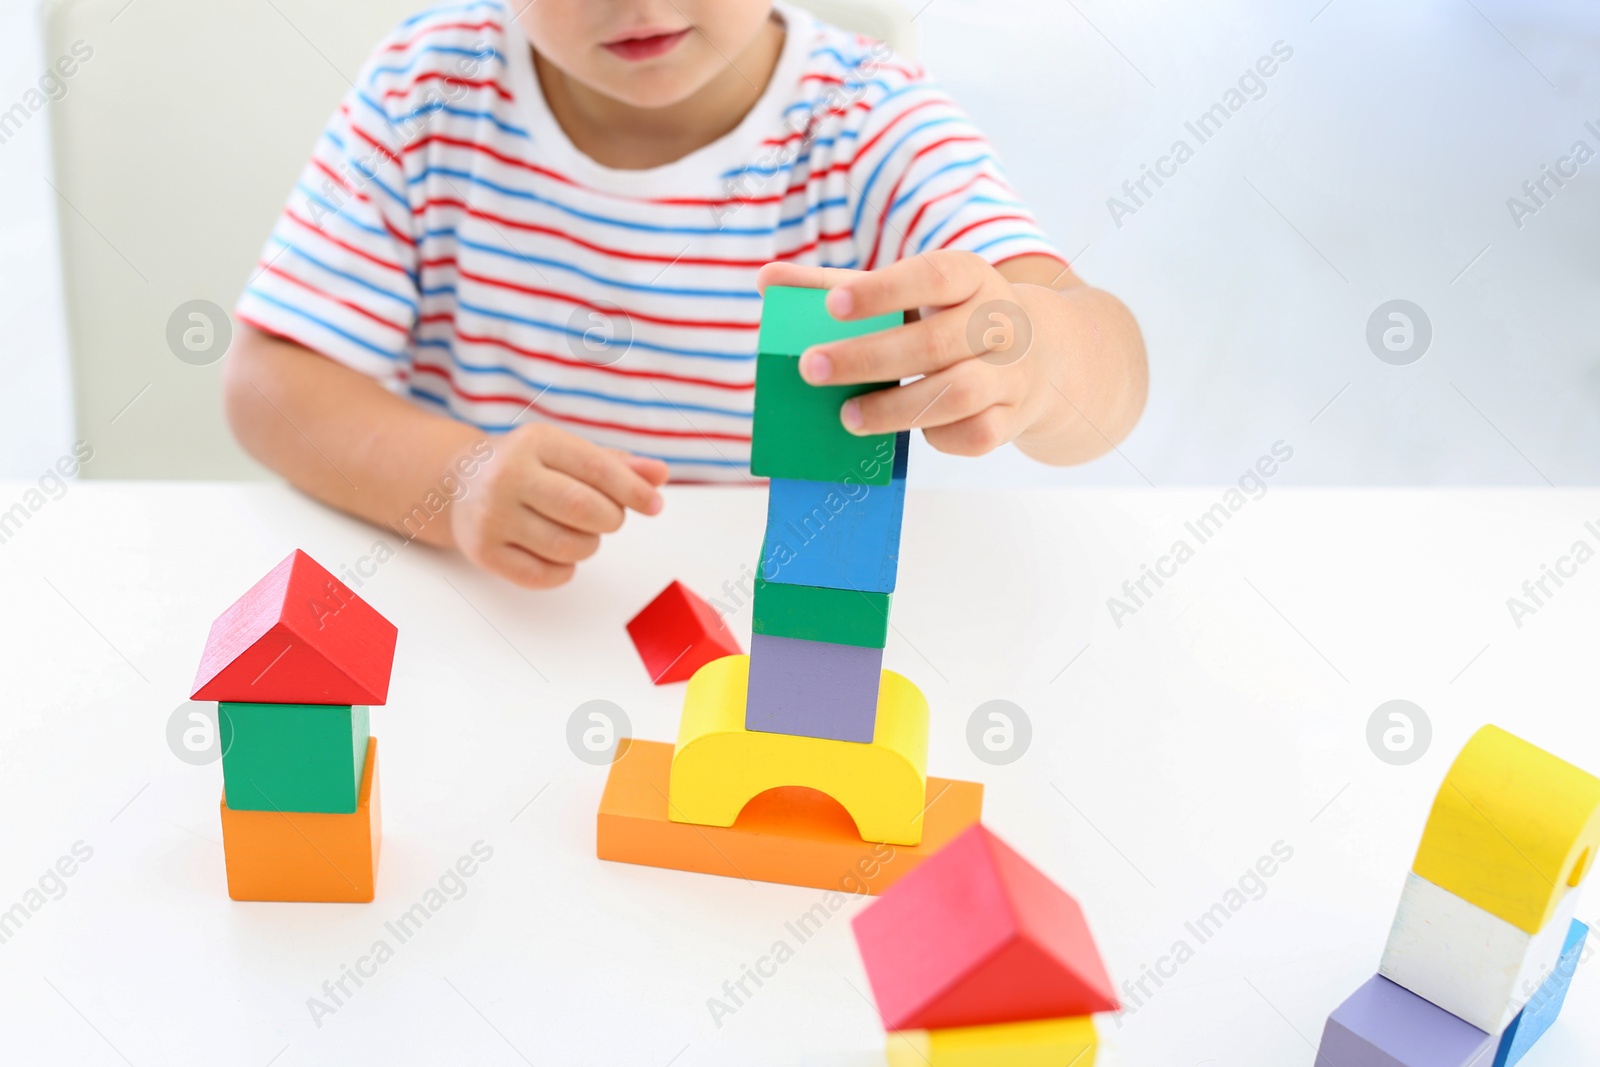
(828, 562)
(805, 761)
(720, 766)
(677, 633)
(976, 957)
(293, 665)
(1484, 941)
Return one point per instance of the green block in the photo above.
(797, 432)
(293, 757)
(812, 613)
(792, 320)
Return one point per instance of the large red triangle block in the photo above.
(677, 633)
(975, 936)
(299, 636)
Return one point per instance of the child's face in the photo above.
(647, 53)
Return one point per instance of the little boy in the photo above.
(523, 270)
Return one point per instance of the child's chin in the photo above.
(656, 87)
(660, 83)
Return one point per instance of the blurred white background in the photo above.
(1376, 166)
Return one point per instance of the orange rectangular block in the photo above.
(306, 856)
(793, 835)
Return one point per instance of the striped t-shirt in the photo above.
(449, 240)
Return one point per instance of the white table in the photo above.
(1227, 715)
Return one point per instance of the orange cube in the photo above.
(306, 856)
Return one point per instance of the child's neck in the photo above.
(619, 135)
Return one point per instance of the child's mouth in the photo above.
(635, 49)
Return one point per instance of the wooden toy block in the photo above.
(293, 757)
(792, 835)
(677, 633)
(833, 535)
(1069, 1042)
(978, 936)
(794, 319)
(299, 635)
(812, 613)
(1540, 1014)
(306, 856)
(718, 766)
(812, 688)
(1466, 960)
(1512, 829)
(1383, 1025)
(796, 431)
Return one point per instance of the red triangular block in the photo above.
(677, 633)
(299, 636)
(977, 935)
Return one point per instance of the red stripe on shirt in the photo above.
(577, 420)
(566, 361)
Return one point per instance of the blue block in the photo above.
(836, 535)
(1541, 1010)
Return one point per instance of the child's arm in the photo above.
(527, 505)
(1074, 391)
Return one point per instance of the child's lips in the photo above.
(635, 49)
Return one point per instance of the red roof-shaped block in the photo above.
(677, 633)
(299, 636)
(977, 935)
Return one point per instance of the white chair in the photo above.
(174, 148)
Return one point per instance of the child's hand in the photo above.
(538, 506)
(984, 380)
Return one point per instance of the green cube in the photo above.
(293, 757)
(797, 432)
(812, 613)
(792, 320)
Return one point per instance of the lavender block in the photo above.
(1386, 1025)
(812, 688)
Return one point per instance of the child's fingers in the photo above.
(552, 540)
(949, 396)
(924, 347)
(603, 469)
(653, 471)
(976, 435)
(933, 279)
(801, 276)
(571, 502)
(516, 564)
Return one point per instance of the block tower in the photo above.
(977, 959)
(294, 665)
(772, 745)
(1484, 944)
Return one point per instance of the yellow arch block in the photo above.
(1039, 1043)
(1512, 829)
(718, 766)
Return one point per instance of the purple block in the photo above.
(812, 688)
(1385, 1025)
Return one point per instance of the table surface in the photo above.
(1171, 749)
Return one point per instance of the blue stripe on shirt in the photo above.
(541, 388)
(354, 279)
(324, 323)
(569, 331)
(450, 232)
